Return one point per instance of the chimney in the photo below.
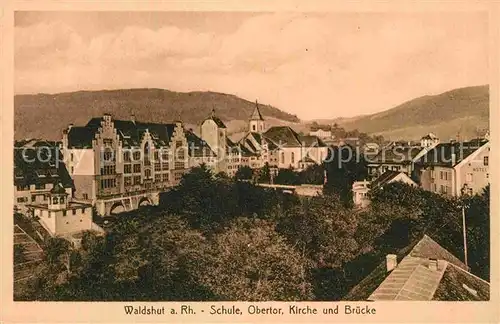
(391, 261)
(433, 264)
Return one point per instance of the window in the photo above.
(179, 165)
(178, 176)
(253, 128)
(282, 157)
(137, 156)
(127, 181)
(165, 177)
(61, 200)
(469, 177)
(108, 169)
(157, 166)
(486, 160)
(108, 156)
(165, 166)
(126, 156)
(137, 168)
(127, 168)
(85, 196)
(55, 200)
(487, 175)
(74, 211)
(72, 170)
(22, 199)
(83, 210)
(72, 156)
(33, 198)
(137, 180)
(156, 155)
(108, 183)
(147, 173)
(293, 158)
(64, 213)
(441, 175)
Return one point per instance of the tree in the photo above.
(250, 261)
(314, 174)
(244, 173)
(344, 165)
(287, 177)
(19, 254)
(264, 174)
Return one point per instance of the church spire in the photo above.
(256, 115)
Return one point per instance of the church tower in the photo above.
(214, 133)
(256, 122)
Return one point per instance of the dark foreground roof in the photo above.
(412, 279)
(441, 155)
(40, 166)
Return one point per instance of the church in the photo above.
(279, 146)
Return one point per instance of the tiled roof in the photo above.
(310, 141)
(441, 155)
(413, 279)
(283, 136)
(40, 166)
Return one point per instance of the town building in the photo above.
(360, 189)
(119, 165)
(60, 216)
(455, 168)
(280, 146)
(429, 140)
(426, 272)
(36, 169)
(321, 132)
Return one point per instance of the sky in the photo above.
(314, 65)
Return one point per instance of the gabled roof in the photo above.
(441, 154)
(283, 136)
(385, 178)
(430, 136)
(130, 133)
(412, 279)
(40, 166)
(256, 115)
(311, 141)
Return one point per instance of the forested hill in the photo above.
(46, 115)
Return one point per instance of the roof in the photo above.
(430, 136)
(283, 136)
(130, 133)
(441, 154)
(196, 146)
(216, 119)
(385, 178)
(58, 189)
(256, 115)
(396, 154)
(40, 166)
(412, 279)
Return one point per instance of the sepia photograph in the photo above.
(251, 156)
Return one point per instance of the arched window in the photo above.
(61, 200)
(282, 157)
(253, 127)
(55, 200)
(293, 157)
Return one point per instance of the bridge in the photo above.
(119, 203)
(301, 190)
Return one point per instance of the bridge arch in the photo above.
(144, 201)
(117, 208)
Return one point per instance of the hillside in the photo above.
(463, 110)
(46, 115)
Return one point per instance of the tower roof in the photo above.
(256, 113)
(58, 189)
